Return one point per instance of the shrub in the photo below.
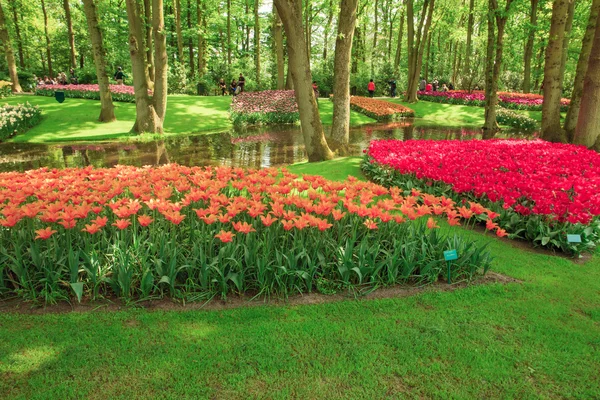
(515, 120)
(198, 232)
(5, 89)
(542, 191)
(18, 119)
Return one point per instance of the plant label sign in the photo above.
(574, 238)
(450, 255)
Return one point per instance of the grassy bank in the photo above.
(76, 119)
(535, 339)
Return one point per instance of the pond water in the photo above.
(256, 147)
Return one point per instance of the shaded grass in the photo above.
(76, 119)
(536, 339)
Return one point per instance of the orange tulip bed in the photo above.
(193, 233)
(380, 110)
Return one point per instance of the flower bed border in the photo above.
(72, 92)
(23, 125)
(401, 113)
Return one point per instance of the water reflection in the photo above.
(256, 147)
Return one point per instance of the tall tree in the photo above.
(190, 41)
(107, 112)
(14, 7)
(340, 130)
(469, 51)
(416, 44)
(278, 42)
(529, 46)
(316, 146)
(497, 17)
(399, 48)
(150, 112)
(177, 10)
(8, 53)
(551, 128)
(582, 66)
(149, 53)
(229, 37)
(48, 51)
(587, 132)
(201, 24)
(327, 29)
(72, 56)
(257, 41)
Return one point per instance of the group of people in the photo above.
(392, 83)
(61, 79)
(434, 86)
(236, 87)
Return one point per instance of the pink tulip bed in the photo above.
(120, 93)
(266, 107)
(542, 191)
(514, 101)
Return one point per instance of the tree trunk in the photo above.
(8, 53)
(71, 35)
(428, 52)
(229, 37)
(316, 146)
(468, 52)
(289, 82)
(582, 66)
(177, 9)
(551, 128)
(327, 29)
(159, 97)
(201, 22)
(257, 42)
(278, 39)
(494, 63)
(566, 40)
(18, 34)
(399, 48)
(340, 130)
(529, 47)
(107, 112)
(587, 132)
(147, 119)
(48, 51)
(190, 41)
(149, 52)
(416, 46)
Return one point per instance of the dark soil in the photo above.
(114, 304)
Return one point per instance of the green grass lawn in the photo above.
(76, 119)
(535, 339)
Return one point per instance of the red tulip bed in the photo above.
(380, 110)
(266, 107)
(120, 93)
(514, 101)
(193, 233)
(543, 191)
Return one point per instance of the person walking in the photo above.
(371, 88)
(422, 85)
(222, 86)
(233, 87)
(73, 77)
(119, 76)
(241, 82)
(429, 87)
(315, 89)
(392, 83)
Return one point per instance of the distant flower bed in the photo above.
(514, 101)
(266, 107)
(542, 191)
(380, 110)
(119, 92)
(193, 233)
(18, 119)
(515, 120)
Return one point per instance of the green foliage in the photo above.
(85, 94)
(540, 230)
(177, 80)
(241, 118)
(518, 121)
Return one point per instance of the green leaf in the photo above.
(78, 289)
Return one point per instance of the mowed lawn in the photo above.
(76, 119)
(539, 338)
